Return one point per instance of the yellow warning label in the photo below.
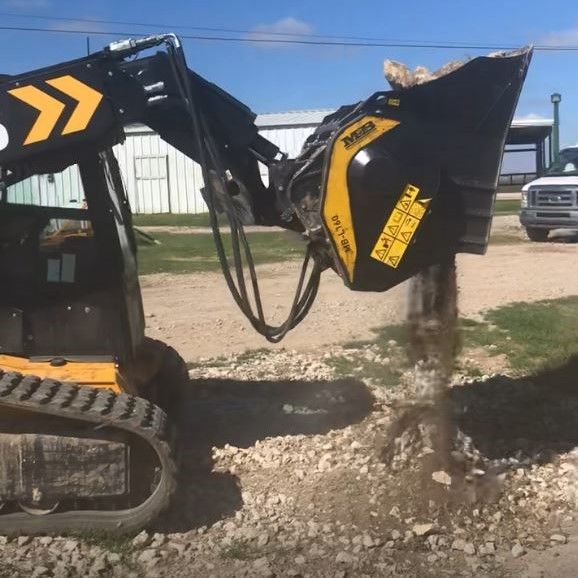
(394, 222)
(408, 228)
(382, 247)
(400, 227)
(395, 255)
(419, 208)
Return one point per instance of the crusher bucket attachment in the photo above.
(410, 175)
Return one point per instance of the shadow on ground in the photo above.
(239, 413)
(533, 419)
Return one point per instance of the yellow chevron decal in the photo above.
(88, 101)
(50, 111)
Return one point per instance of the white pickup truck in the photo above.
(551, 202)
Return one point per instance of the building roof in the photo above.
(292, 118)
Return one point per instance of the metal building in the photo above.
(160, 179)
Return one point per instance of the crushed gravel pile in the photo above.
(283, 476)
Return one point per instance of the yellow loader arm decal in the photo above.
(51, 109)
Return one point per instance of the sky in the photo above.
(274, 78)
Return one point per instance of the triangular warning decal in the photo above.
(406, 236)
(381, 254)
(405, 204)
(394, 260)
(393, 229)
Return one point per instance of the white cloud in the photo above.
(26, 4)
(76, 25)
(285, 29)
(567, 37)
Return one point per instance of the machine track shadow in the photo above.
(533, 419)
(216, 412)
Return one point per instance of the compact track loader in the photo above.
(383, 189)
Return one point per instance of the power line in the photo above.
(383, 44)
(342, 37)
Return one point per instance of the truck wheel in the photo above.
(538, 235)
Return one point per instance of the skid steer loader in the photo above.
(381, 190)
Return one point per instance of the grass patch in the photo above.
(239, 550)
(382, 359)
(121, 545)
(502, 207)
(223, 361)
(115, 544)
(507, 207)
(170, 220)
(533, 337)
(190, 253)
(542, 334)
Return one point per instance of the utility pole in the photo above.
(555, 99)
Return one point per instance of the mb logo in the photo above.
(365, 129)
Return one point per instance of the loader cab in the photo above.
(69, 286)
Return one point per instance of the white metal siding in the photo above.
(288, 139)
(60, 190)
(181, 191)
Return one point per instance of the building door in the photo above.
(152, 184)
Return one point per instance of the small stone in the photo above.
(442, 477)
(459, 544)
(148, 556)
(24, 540)
(395, 535)
(45, 540)
(40, 571)
(422, 529)
(179, 547)
(300, 560)
(518, 551)
(344, 558)
(70, 545)
(490, 548)
(558, 538)
(159, 540)
(469, 549)
(262, 540)
(141, 540)
(368, 541)
(262, 566)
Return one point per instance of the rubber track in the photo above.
(104, 409)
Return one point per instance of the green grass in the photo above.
(169, 220)
(533, 337)
(507, 207)
(503, 207)
(542, 334)
(189, 253)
